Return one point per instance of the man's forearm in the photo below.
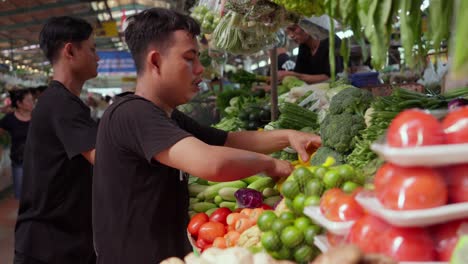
(312, 78)
(259, 141)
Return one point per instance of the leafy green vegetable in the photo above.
(339, 131)
(323, 153)
(291, 82)
(410, 27)
(460, 55)
(351, 100)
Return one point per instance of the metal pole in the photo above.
(274, 84)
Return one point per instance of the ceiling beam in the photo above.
(23, 10)
(17, 26)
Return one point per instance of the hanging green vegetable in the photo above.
(332, 6)
(460, 55)
(440, 17)
(410, 28)
(345, 52)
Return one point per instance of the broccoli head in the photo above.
(323, 153)
(351, 100)
(339, 131)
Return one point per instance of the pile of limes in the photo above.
(288, 237)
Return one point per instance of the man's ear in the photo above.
(154, 60)
(68, 50)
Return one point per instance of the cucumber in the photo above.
(194, 200)
(269, 192)
(231, 205)
(261, 184)
(209, 212)
(212, 191)
(227, 193)
(271, 201)
(201, 181)
(195, 189)
(251, 179)
(201, 196)
(211, 183)
(218, 199)
(203, 207)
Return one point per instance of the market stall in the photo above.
(390, 176)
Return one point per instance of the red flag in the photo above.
(122, 19)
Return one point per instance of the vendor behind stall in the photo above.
(312, 63)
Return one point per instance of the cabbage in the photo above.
(248, 198)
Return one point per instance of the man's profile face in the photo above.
(86, 58)
(297, 34)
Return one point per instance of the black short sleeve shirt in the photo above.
(18, 131)
(318, 63)
(139, 205)
(54, 219)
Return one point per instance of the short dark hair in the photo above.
(155, 26)
(59, 30)
(18, 96)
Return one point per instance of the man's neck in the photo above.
(71, 82)
(313, 44)
(146, 90)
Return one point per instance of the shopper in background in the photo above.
(312, 63)
(140, 193)
(54, 219)
(17, 124)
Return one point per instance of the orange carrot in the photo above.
(246, 212)
(256, 214)
(232, 218)
(231, 238)
(243, 224)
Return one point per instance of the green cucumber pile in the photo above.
(208, 196)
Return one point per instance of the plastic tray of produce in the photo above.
(412, 218)
(337, 228)
(433, 156)
(321, 242)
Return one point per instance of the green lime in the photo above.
(310, 232)
(302, 223)
(313, 170)
(289, 216)
(302, 175)
(298, 204)
(271, 241)
(349, 187)
(265, 220)
(332, 179)
(289, 204)
(314, 187)
(347, 172)
(291, 237)
(290, 189)
(320, 172)
(280, 224)
(283, 253)
(313, 200)
(304, 254)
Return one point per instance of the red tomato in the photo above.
(415, 128)
(211, 230)
(446, 238)
(366, 233)
(414, 188)
(407, 244)
(202, 244)
(345, 209)
(220, 215)
(330, 197)
(266, 207)
(383, 176)
(457, 183)
(335, 240)
(196, 222)
(455, 126)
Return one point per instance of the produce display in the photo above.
(207, 18)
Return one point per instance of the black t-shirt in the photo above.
(18, 131)
(318, 63)
(54, 219)
(140, 205)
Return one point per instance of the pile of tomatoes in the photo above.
(223, 228)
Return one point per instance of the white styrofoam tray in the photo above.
(321, 242)
(337, 228)
(432, 156)
(412, 218)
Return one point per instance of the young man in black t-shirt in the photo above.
(54, 219)
(140, 196)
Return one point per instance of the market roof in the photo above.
(21, 22)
